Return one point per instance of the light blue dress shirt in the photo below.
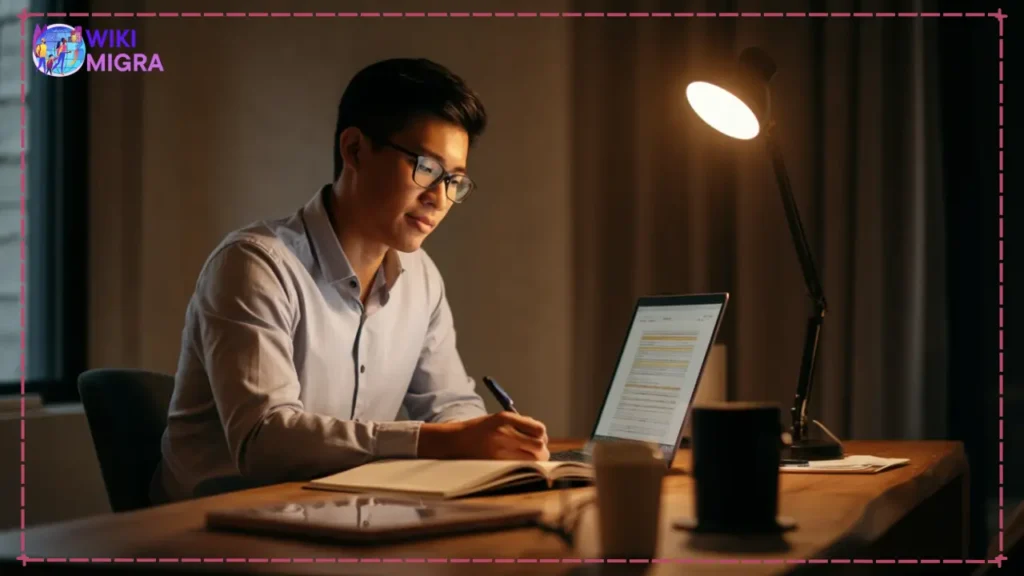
(284, 375)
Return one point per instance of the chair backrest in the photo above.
(127, 415)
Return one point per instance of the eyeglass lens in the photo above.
(429, 171)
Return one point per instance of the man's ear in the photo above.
(352, 145)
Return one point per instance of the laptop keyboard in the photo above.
(570, 456)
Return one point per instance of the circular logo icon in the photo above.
(58, 50)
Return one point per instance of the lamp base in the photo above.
(813, 450)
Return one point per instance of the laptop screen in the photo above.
(658, 370)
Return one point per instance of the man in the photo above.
(41, 54)
(307, 334)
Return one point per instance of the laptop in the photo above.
(657, 374)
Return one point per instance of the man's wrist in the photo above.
(439, 440)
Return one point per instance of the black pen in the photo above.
(787, 462)
(503, 398)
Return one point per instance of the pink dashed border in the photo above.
(999, 15)
(322, 560)
(25, 15)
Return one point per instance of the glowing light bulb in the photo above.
(722, 110)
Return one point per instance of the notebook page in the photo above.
(555, 469)
(420, 476)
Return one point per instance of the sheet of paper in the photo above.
(850, 464)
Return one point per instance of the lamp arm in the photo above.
(796, 228)
(814, 289)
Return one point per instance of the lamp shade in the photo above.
(723, 110)
(735, 101)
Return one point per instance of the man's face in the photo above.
(396, 210)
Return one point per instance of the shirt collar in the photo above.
(333, 262)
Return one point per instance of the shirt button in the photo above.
(362, 368)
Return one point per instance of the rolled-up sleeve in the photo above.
(246, 313)
(441, 390)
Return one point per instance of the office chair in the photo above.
(127, 413)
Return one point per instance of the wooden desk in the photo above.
(918, 512)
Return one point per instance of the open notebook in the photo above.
(450, 478)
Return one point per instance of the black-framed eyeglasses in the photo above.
(428, 172)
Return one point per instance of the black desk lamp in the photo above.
(738, 104)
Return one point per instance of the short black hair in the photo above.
(385, 97)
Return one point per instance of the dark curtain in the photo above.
(969, 57)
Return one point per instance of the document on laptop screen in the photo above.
(657, 374)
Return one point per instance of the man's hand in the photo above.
(500, 436)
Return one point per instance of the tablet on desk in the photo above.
(370, 519)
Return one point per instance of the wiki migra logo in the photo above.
(58, 50)
(61, 50)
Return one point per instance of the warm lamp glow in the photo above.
(722, 110)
